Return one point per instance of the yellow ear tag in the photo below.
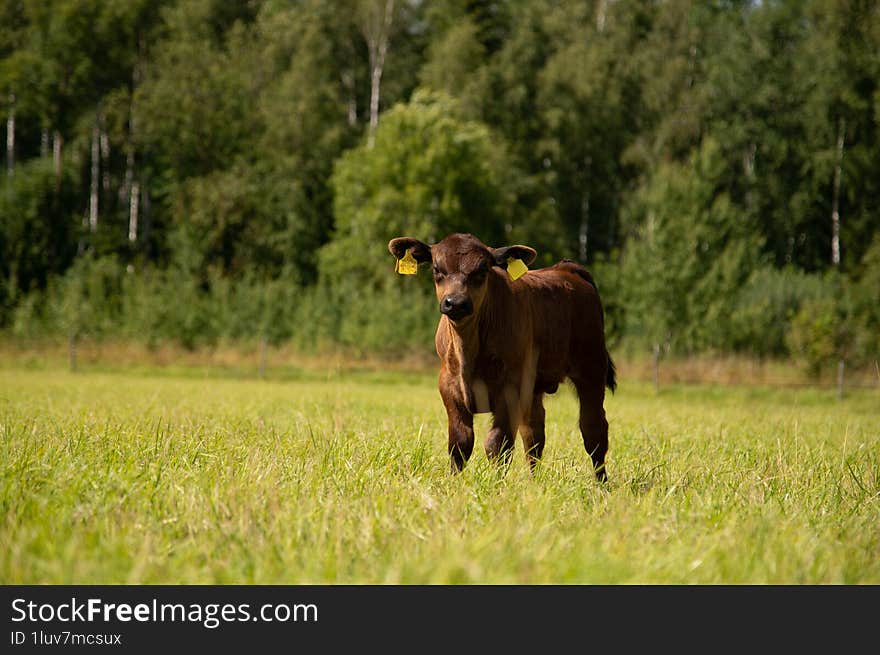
(516, 269)
(407, 265)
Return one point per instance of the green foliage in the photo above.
(581, 160)
(766, 304)
(37, 230)
(843, 323)
(99, 297)
(819, 334)
(685, 265)
(196, 110)
(240, 220)
(608, 276)
(87, 299)
(865, 297)
(702, 147)
(453, 65)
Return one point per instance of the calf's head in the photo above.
(461, 265)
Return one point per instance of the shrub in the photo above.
(767, 303)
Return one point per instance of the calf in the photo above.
(504, 343)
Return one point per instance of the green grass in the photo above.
(115, 477)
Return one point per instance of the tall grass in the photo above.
(114, 477)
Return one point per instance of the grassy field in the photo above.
(151, 477)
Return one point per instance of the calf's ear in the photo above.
(526, 254)
(421, 252)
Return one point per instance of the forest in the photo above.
(206, 171)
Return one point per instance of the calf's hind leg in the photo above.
(594, 426)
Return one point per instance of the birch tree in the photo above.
(376, 19)
(835, 199)
(95, 172)
(10, 137)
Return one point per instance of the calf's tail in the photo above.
(611, 377)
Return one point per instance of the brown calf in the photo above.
(504, 343)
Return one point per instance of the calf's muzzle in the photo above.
(456, 307)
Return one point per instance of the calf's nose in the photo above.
(456, 307)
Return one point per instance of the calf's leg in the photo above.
(533, 431)
(461, 435)
(594, 426)
(461, 439)
(461, 428)
(499, 442)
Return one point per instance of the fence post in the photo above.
(262, 364)
(656, 367)
(71, 351)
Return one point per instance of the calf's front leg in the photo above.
(461, 427)
(461, 438)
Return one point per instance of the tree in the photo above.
(585, 103)
(307, 114)
(37, 231)
(684, 266)
(866, 307)
(429, 172)
(376, 19)
(196, 107)
(839, 68)
(455, 65)
(821, 333)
